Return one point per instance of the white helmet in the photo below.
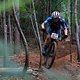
(55, 14)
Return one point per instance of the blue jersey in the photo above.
(55, 25)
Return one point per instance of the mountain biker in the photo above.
(53, 23)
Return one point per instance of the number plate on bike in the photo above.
(54, 36)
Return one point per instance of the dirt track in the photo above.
(62, 68)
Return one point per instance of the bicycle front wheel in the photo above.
(49, 59)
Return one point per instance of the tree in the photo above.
(17, 34)
(77, 30)
(5, 35)
(23, 38)
(38, 35)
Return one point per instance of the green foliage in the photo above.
(7, 4)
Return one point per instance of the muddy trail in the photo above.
(62, 69)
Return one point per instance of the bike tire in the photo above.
(48, 64)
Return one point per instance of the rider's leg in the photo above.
(59, 33)
(47, 41)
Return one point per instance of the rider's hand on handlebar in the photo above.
(64, 37)
(43, 30)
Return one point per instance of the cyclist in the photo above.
(53, 23)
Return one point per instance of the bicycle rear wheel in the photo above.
(51, 53)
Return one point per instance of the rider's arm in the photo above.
(45, 24)
(65, 31)
(64, 25)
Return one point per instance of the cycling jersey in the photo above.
(49, 21)
(54, 26)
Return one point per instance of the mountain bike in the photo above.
(52, 47)
(51, 51)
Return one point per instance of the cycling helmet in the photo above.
(55, 14)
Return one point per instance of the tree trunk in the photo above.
(17, 34)
(23, 39)
(69, 29)
(5, 36)
(69, 16)
(49, 7)
(37, 33)
(77, 30)
(10, 29)
(36, 37)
